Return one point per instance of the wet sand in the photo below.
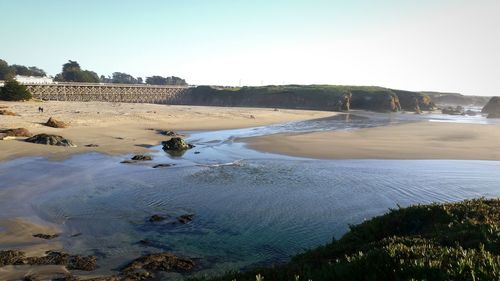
(120, 128)
(17, 234)
(423, 140)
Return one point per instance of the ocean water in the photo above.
(250, 208)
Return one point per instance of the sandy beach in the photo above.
(423, 140)
(120, 128)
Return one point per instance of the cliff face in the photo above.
(453, 99)
(411, 101)
(492, 108)
(318, 97)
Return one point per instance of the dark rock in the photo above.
(86, 263)
(185, 218)
(31, 278)
(141, 157)
(137, 275)
(493, 115)
(50, 140)
(156, 218)
(176, 144)
(458, 110)
(128, 161)
(196, 152)
(168, 133)
(470, 113)
(46, 236)
(52, 122)
(92, 145)
(160, 262)
(7, 112)
(68, 278)
(102, 278)
(163, 165)
(18, 132)
(11, 257)
(492, 108)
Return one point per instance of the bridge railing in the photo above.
(116, 85)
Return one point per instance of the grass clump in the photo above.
(453, 241)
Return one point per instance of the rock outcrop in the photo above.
(52, 122)
(492, 108)
(72, 262)
(157, 218)
(454, 99)
(140, 157)
(176, 144)
(317, 97)
(414, 101)
(163, 165)
(185, 218)
(46, 236)
(160, 262)
(458, 110)
(18, 132)
(7, 112)
(168, 133)
(50, 140)
(345, 102)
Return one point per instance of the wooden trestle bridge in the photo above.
(108, 92)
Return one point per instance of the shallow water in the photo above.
(250, 208)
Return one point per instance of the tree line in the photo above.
(8, 72)
(72, 72)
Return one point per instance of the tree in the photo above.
(6, 72)
(28, 71)
(35, 71)
(21, 70)
(13, 91)
(123, 78)
(156, 80)
(71, 66)
(9, 72)
(71, 72)
(159, 80)
(87, 76)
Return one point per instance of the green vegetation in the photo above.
(321, 97)
(9, 72)
(124, 78)
(71, 72)
(454, 241)
(13, 91)
(159, 80)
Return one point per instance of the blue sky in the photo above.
(445, 45)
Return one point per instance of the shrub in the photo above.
(13, 91)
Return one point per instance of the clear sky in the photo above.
(442, 45)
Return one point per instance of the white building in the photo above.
(34, 79)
